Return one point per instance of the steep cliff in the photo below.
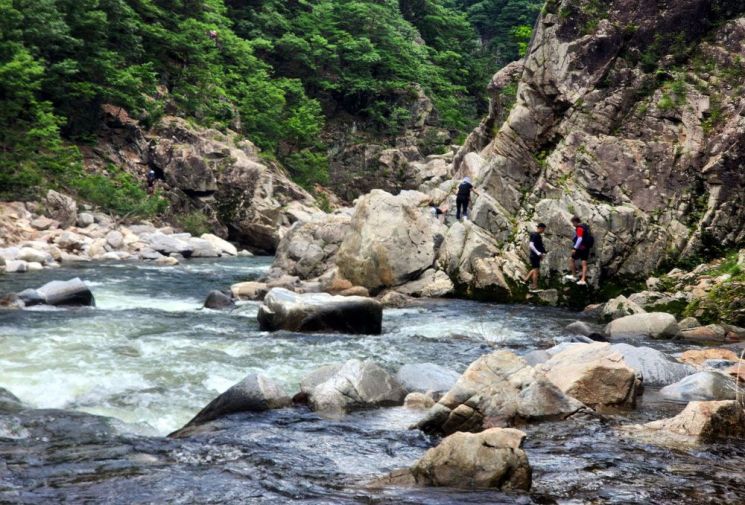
(629, 114)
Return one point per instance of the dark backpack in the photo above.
(587, 239)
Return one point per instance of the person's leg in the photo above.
(457, 209)
(465, 209)
(572, 266)
(534, 284)
(584, 270)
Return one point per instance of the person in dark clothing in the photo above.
(581, 245)
(463, 198)
(537, 252)
(151, 176)
(439, 212)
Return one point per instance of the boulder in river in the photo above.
(423, 377)
(652, 366)
(698, 357)
(497, 389)
(284, 310)
(700, 422)
(9, 402)
(355, 385)
(491, 459)
(255, 393)
(73, 292)
(594, 374)
(168, 244)
(619, 307)
(249, 290)
(223, 246)
(650, 324)
(217, 300)
(701, 386)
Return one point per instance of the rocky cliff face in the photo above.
(629, 114)
(248, 199)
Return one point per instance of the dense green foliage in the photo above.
(274, 70)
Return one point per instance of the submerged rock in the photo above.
(491, 459)
(497, 389)
(652, 366)
(255, 393)
(594, 374)
(651, 325)
(217, 300)
(284, 310)
(9, 402)
(355, 385)
(702, 386)
(700, 421)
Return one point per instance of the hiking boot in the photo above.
(570, 277)
(581, 283)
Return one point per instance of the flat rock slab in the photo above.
(647, 325)
(652, 366)
(423, 377)
(311, 312)
(701, 386)
(74, 292)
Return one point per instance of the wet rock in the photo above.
(593, 332)
(619, 307)
(285, 310)
(490, 459)
(73, 292)
(15, 266)
(223, 246)
(318, 376)
(167, 244)
(548, 297)
(395, 299)
(11, 301)
(61, 208)
(431, 284)
(652, 366)
(497, 389)
(688, 323)
(249, 290)
(355, 385)
(31, 297)
(9, 402)
(418, 401)
(700, 422)
(217, 300)
(705, 334)
(594, 374)
(423, 377)
(651, 325)
(201, 248)
(698, 357)
(701, 386)
(34, 266)
(255, 393)
(166, 261)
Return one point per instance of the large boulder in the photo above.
(61, 208)
(201, 248)
(652, 366)
(217, 300)
(700, 422)
(619, 307)
(223, 246)
(354, 385)
(255, 393)
(701, 386)
(424, 377)
(73, 292)
(497, 389)
(649, 325)
(392, 240)
(594, 374)
(284, 310)
(168, 244)
(432, 283)
(491, 459)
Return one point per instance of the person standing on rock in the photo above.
(537, 252)
(581, 245)
(150, 177)
(463, 198)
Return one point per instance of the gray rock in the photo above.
(201, 248)
(356, 385)
(651, 325)
(31, 297)
(688, 323)
(167, 244)
(43, 223)
(16, 266)
(284, 310)
(318, 376)
(423, 377)
(217, 300)
(585, 329)
(255, 393)
(702, 386)
(61, 208)
(536, 357)
(431, 284)
(619, 307)
(115, 239)
(9, 402)
(654, 367)
(31, 255)
(67, 293)
(223, 246)
(85, 219)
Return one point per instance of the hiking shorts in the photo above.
(581, 254)
(535, 261)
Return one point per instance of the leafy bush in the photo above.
(195, 223)
(118, 192)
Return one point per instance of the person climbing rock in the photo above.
(537, 252)
(581, 245)
(439, 212)
(463, 198)
(151, 176)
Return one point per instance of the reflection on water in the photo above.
(149, 357)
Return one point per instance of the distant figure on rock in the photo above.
(463, 198)
(581, 245)
(439, 212)
(537, 252)
(151, 176)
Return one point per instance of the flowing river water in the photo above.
(106, 384)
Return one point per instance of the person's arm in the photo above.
(580, 232)
(533, 248)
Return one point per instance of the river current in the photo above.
(106, 384)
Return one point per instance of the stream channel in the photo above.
(104, 385)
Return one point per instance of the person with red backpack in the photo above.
(581, 245)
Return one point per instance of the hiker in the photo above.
(439, 212)
(463, 198)
(537, 252)
(151, 176)
(581, 245)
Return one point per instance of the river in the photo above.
(107, 384)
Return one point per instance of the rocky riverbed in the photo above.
(148, 358)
